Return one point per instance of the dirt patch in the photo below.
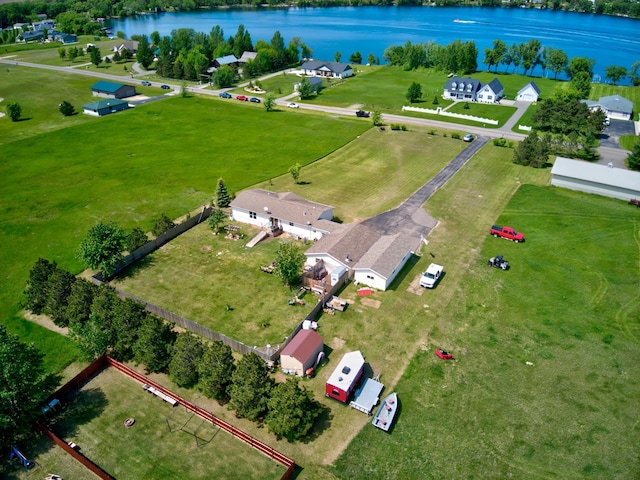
(414, 287)
(369, 302)
(137, 98)
(206, 248)
(46, 322)
(337, 343)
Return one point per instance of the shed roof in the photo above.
(303, 345)
(596, 173)
(285, 206)
(531, 84)
(246, 56)
(347, 370)
(104, 86)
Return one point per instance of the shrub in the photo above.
(500, 142)
(455, 135)
(466, 105)
(431, 132)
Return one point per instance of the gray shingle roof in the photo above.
(495, 85)
(461, 85)
(333, 66)
(613, 103)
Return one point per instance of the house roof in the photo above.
(596, 173)
(285, 206)
(247, 56)
(495, 85)
(463, 85)
(131, 46)
(386, 253)
(31, 34)
(347, 370)
(104, 86)
(226, 60)
(613, 103)
(335, 67)
(348, 244)
(104, 103)
(531, 84)
(303, 345)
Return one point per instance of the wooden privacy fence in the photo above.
(103, 362)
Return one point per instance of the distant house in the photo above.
(286, 211)
(246, 56)
(42, 25)
(370, 257)
(593, 178)
(326, 69)
(614, 106)
(345, 377)
(105, 107)
(315, 83)
(32, 35)
(301, 353)
(130, 46)
(462, 89)
(491, 92)
(64, 38)
(112, 90)
(529, 93)
(226, 60)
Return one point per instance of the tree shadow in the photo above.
(322, 423)
(78, 410)
(136, 268)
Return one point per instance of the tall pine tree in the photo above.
(221, 198)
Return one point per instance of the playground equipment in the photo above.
(15, 453)
(180, 419)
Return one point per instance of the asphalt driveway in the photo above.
(610, 137)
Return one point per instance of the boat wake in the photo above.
(457, 20)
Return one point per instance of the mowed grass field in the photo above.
(131, 167)
(570, 305)
(94, 420)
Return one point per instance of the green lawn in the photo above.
(501, 113)
(131, 167)
(630, 93)
(512, 83)
(149, 450)
(569, 305)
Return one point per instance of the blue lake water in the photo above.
(607, 40)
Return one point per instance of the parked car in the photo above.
(293, 105)
(431, 276)
(242, 98)
(506, 232)
(146, 83)
(362, 113)
(606, 122)
(444, 355)
(225, 95)
(165, 87)
(255, 99)
(468, 138)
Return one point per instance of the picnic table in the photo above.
(161, 395)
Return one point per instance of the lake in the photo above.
(607, 40)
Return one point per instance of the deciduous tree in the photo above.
(533, 151)
(292, 411)
(136, 239)
(269, 102)
(223, 76)
(216, 371)
(24, 387)
(580, 64)
(186, 354)
(79, 302)
(14, 110)
(102, 247)
(95, 337)
(305, 90)
(289, 263)
(581, 83)
(67, 109)
(633, 159)
(615, 73)
(294, 170)
(36, 287)
(251, 388)
(58, 289)
(144, 55)
(96, 57)
(162, 224)
(337, 56)
(414, 93)
(356, 57)
(216, 217)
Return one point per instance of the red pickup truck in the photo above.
(508, 233)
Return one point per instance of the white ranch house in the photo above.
(529, 93)
(614, 106)
(286, 211)
(319, 68)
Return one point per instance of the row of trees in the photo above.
(458, 56)
(188, 54)
(100, 323)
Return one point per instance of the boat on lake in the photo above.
(384, 416)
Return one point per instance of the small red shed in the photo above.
(301, 352)
(345, 377)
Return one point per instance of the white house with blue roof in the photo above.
(490, 92)
(321, 68)
(614, 106)
(529, 93)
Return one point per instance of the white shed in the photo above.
(593, 178)
(529, 93)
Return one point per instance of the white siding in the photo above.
(528, 95)
(370, 278)
(597, 188)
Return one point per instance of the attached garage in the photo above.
(593, 178)
(301, 353)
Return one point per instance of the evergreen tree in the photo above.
(128, 317)
(221, 197)
(58, 289)
(36, 288)
(292, 411)
(633, 159)
(144, 55)
(216, 371)
(79, 302)
(251, 388)
(533, 151)
(186, 354)
(66, 109)
(154, 344)
(96, 57)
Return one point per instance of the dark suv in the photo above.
(362, 113)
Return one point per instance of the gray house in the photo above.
(112, 90)
(614, 106)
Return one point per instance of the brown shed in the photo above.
(301, 353)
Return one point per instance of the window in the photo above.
(253, 215)
(335, 392)
(291, 224)
(370, 277)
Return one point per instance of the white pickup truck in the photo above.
(431, 276)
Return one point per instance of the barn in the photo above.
(112, 90)
(345, 377)
(301, 353)
(593, 178)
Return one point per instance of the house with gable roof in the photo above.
(226, 60)
(490, 92)
(246, 56)
(462, 89)
(283, 211)
(320, 68)
(529, 93)
(301, 353)
(614, 106)
(105, 107)
(112, 90)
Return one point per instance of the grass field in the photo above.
(569, 305)
(149, 450)
(132, 167)
(501, 113)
